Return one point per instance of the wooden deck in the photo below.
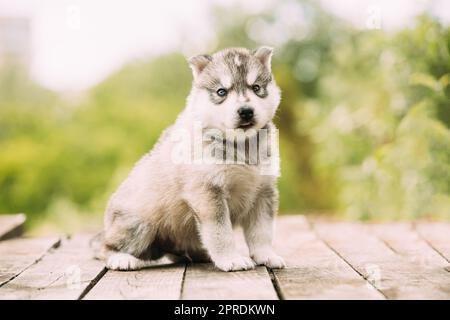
(325, 261)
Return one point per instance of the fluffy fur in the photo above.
(188, 209)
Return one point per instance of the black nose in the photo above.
(245, 113)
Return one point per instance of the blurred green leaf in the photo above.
(364, 122)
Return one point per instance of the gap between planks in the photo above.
(391, 256)
(314, 271)
(436, 235)
(186, 281)
(11, 225)
(204, 281)
(321, 265)
(18, 255)
(63, 273)
(275, 284)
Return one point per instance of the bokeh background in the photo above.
(86, 87)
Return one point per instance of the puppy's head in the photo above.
(234, 89)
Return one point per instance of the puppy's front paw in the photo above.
(234, 263)
(269, 259)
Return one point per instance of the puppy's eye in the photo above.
(221, 92)
(256, 88)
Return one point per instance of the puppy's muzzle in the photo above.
(246, 114)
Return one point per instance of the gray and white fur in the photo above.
(187, 210)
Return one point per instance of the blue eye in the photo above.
(221, 92)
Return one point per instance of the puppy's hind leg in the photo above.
(127, 262)
(126, 239)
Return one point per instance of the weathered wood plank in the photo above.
(404, 240)
(157, 282)
(437, 235)
(18, 254)
(330, 261)
(11, 225)
(204, 281)
(392, 273)
(313, 270)
(63, 273)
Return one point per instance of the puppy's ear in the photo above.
(264, 55)
(198, 63)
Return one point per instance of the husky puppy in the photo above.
(188, 208)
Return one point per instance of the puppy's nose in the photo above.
(245, 113)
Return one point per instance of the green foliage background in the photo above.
(364, 124)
